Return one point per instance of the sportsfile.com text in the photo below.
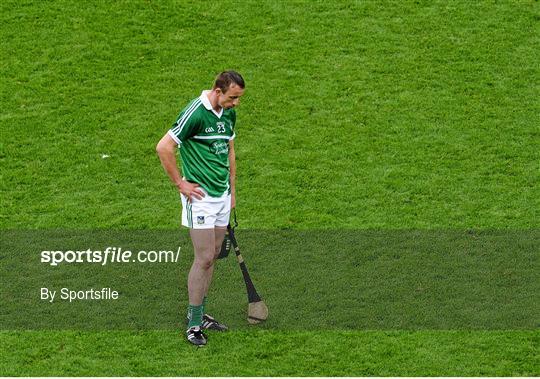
(109, 255)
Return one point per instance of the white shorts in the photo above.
(206, 213)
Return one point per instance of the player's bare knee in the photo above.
(208, 264)
(204, 262)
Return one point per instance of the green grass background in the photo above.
(364, 115)
(264, 353)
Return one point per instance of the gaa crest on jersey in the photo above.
(200, 220)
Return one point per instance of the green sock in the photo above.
(195, 315)
(203, 304)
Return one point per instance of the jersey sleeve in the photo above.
(186, 126)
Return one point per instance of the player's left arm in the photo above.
(232, 173)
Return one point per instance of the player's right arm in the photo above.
(166, 150)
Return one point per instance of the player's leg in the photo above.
(219, 235)
(221, 211)
(199, 275)
(220, 232)
(202, 268)
(199, 216)
(210, 322)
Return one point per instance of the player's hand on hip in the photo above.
(190, 190)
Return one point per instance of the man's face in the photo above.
(231, 98)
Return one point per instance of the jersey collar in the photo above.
(207, 105)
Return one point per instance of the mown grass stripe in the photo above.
(271, 353)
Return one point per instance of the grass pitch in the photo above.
(389, 116)
(265, 353)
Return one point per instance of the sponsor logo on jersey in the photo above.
(209, 130)
(219, 147)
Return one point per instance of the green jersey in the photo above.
(203, 136)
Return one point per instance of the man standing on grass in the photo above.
(204, 132)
